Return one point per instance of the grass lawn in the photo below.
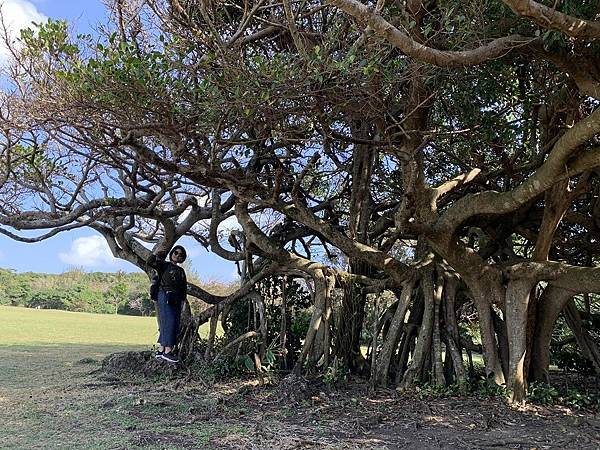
(24, 326)
(52, 396)
(45, 361)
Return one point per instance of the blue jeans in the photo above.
(169, 320)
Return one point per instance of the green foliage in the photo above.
(117, 292)
(475, 387)
(336, 374)
(228, 364)
(98, 292)
(13, 290)
(243, 317)
(76, 299)
(485, 388)
(565, 352)
(298, 313)
(428, 390)
(545, 394)
(570, 359)
(240, 318)
(537, 393)
(542, 393)
(218, 370)
(49, 38)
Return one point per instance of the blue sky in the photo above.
(82, 248)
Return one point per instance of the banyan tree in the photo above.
(407, 161)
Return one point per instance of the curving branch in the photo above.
(552, 19)
(495, 49)
(566, 276)
(454, 183)
(42, 237)
(556, 167)
(218, 216)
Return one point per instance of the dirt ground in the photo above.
(50, 401)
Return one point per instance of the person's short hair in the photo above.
(180, 248)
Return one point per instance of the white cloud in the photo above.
(17, 14)
(89, 251)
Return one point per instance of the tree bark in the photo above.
(502, 336)
(584, 340)
(354, 299)
(423, 346)
(262, 326)
(482, 294)
(214, 320)
(188, 333)
(551, 303)
(324, 284)
(438, 368)
(517, 301)
(390, 344)
(349, 326)
(454, 352)
(454, 361)
(283, 330)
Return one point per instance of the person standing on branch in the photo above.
(170, 288)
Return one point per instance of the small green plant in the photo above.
(335, 374)
(429, 390)
(570, 359)
(483, 388)
(542, 393)
(545, 394)
(581, 400)
(219, 369)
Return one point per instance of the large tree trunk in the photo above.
(324, 283)
(584, 340)
(501, 333)
(544, 313)
(551, 303)
(454, 358)
(483, 294)
(390, 344)
(423, 346)
(485, 284)
(517, 301)
(436, 354)
(352, 314)
(349, 325)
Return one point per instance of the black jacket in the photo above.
(172, 277)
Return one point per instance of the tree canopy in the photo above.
(446, 151)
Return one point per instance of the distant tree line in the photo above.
(95, 292)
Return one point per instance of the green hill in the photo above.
(91, 292)
(78, 291)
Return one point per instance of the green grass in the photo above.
(24, 326)
(48, 399)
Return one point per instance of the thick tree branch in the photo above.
(552, 19)
(554, 168)
(574, 278)
(493, 50)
